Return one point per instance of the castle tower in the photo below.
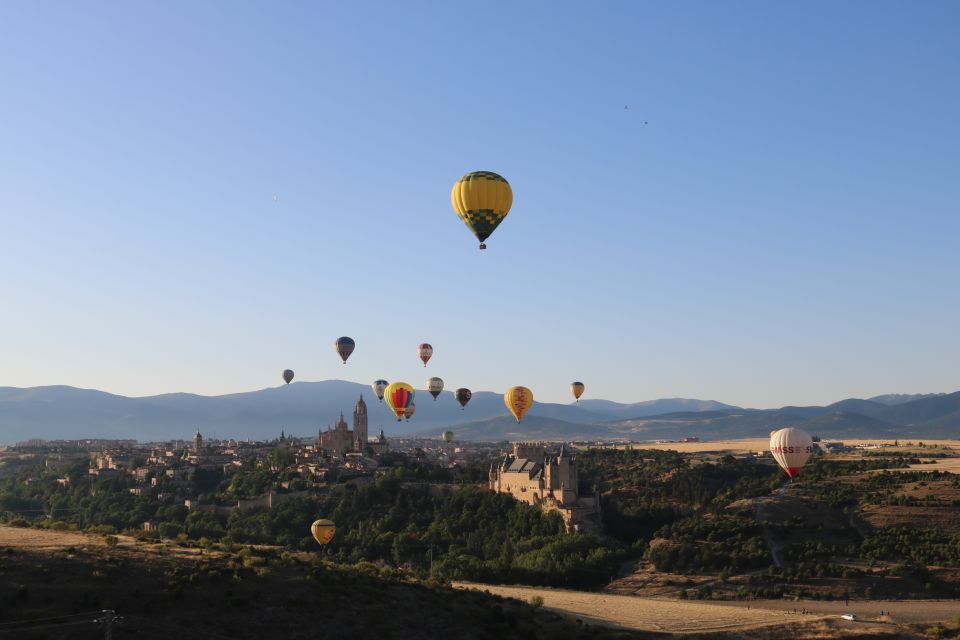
(565, 470)
(197, 442)
(360, 423)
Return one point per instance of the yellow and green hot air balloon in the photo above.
(518, 401)
(482, 199)
(323, 531)
(448, 436)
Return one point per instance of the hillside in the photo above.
(304, 408)
(165, 591)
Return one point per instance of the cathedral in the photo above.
(338, 438)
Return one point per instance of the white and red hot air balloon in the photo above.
(791, 448)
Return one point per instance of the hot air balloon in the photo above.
(463, 397)
(435, 386)
(323, 531)
(287, 375)
(791, 448)
(425, 351)
(378, 386)
(482, 199)
(448, 436)
(518, 401)
(344, 347)
(399, 396)
(409, 411)
(576, 388)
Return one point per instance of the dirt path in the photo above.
(645, 614)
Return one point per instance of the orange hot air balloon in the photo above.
(398, 396)
(576, 388)
(323, 531)
(518, 401)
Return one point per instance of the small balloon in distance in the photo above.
(344, 346)
(323, 531)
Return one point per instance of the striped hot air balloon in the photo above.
(398, 396)
(434, 387)
(344, 347)
(378, 387)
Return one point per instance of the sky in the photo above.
(752, 202)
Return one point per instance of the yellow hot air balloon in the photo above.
(518, 401)
(482, 199)
(576, 388)
(398, 396)
(323, 531)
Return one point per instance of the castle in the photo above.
(536, 477)
(339, 439)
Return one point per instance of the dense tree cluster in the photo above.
(683, 513)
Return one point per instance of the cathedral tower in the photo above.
(360, 424)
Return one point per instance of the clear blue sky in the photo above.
(786, 229)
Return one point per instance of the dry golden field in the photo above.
(25, 538)
(645, 614)
(761, 444)
(692, 617)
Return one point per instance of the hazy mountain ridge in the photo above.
(892, 399)
(303, 408)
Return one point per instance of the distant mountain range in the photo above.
(303, 408)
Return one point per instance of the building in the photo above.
(537, 477)
(379, 445)
(339, 439)
(197, 442)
